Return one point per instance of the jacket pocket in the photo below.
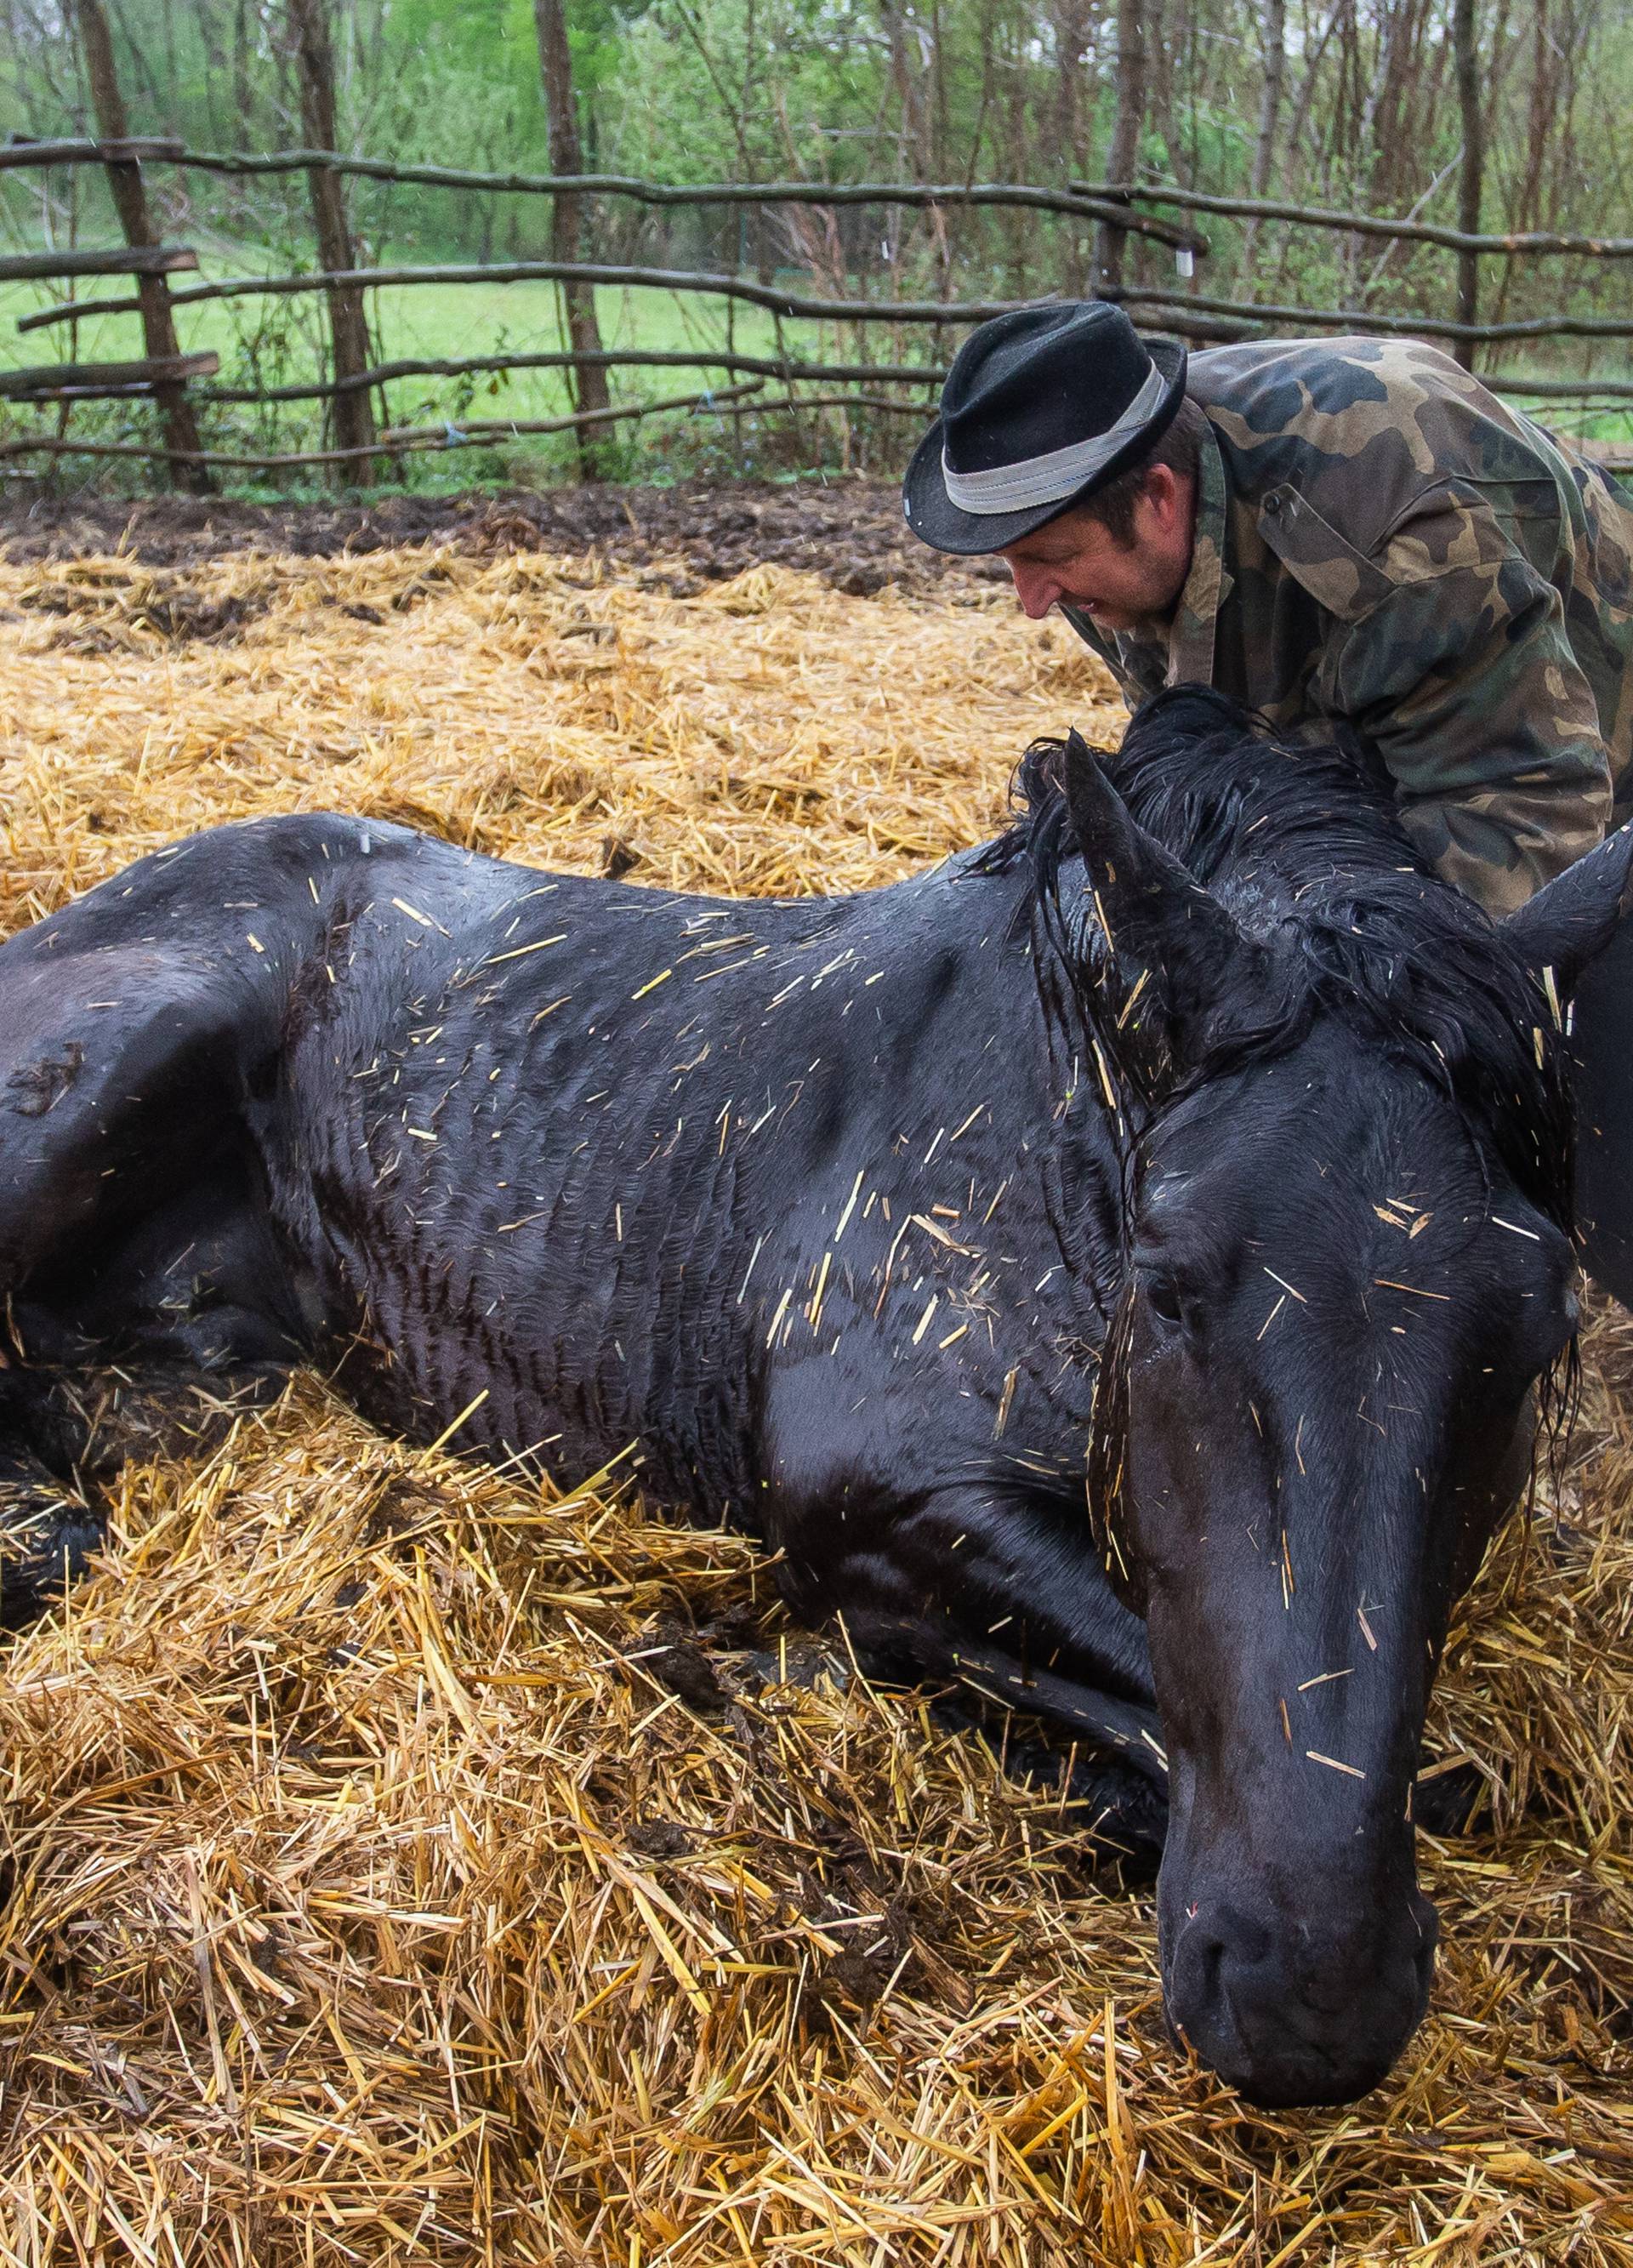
(1340, 579)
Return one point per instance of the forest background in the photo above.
(1347, 104)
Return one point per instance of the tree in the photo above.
(1464, 40)
(124, 177)
(351, 412)
(1273, 34)
(583, 330)
(1129, 123)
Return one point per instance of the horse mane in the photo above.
(1304, 846)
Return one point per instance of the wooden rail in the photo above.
(1085, 199)
(792, 304)
(91, 381)
(132, 149)
(1358, 320)
(792, 370)
(1108, 206)
(1017, 195)
(796, 304)
(431, 436)
(119, 260)
(1539, 241)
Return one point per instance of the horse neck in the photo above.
(1078, 1167)
(969, 1035)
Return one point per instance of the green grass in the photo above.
(1575, 420)
(281, 341)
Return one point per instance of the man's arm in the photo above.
(1462, 677)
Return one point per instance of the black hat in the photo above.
(1042, 406)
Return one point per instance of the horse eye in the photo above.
(1162, 1297)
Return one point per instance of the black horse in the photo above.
(1192, 1139)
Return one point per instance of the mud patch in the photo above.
(679, 540)
(107, 606)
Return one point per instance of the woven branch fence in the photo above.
(1117, 213)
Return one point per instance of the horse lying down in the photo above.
(1191, 1140)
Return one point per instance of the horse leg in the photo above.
(1122, 1813)
(48, 1526)
(1003, 1597)
(167, 1345)
(141, 1288)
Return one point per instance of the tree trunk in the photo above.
(1273, 34)
(1075, 36)
(124, 180)
(910, 137)
(583, 332)
(352, 414)
(1073, 21)
(1273, 30)
(1465, 42)
(242, 104)
(1127, 125)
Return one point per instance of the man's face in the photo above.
(1119, 586)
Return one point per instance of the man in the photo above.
(1348, 534)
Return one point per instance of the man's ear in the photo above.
(1172, 957)
(1164, 493)
(1572, 919)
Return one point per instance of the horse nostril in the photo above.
(1316, 2017)
(1247, 1941)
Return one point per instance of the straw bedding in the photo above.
(403, 1866)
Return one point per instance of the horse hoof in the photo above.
(1447, 1804)
(47, 1536)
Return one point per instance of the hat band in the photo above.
(1052, 478)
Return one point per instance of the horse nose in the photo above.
(1315, 2014)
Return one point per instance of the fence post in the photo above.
(124, 182)
(352, 417)
(583, 330)
(1110, 244)
(1471, 172)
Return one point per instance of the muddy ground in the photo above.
(849, 532)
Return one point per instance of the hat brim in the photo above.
(933, 515)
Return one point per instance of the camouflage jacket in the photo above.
(1381, 544)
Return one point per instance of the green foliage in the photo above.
(831, 89)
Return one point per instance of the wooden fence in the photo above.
(1116, 212)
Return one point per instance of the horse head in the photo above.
(1348, 1279)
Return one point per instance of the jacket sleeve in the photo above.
(1461, 675)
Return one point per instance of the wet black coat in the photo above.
(809, 1211)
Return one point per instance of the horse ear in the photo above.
(1172, 953)
(1572, 919)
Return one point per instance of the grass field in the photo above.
(430, 321)
(281, 341)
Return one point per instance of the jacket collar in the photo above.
(1210, 582)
